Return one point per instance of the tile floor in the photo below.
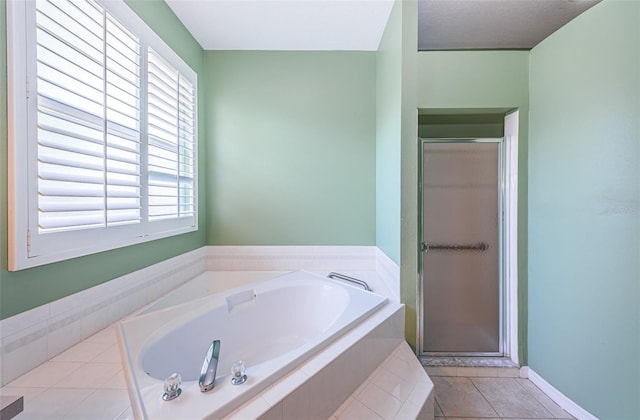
(497, 393)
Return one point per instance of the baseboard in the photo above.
(562, 400)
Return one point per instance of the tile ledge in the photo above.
(419, 404)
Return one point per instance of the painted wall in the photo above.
(292, 148)
(388, 132)
(409, 170)
(584, 212)
(396, 159)
(26, 289)
(460, 126)
(480, 80)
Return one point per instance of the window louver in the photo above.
(171, 132)
(88, 118)
(102, 136)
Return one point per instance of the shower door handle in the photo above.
(480, 246)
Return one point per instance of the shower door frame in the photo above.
(507, 238)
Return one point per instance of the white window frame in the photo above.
(22, 149)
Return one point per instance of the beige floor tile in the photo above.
(467, 371)
(458, 397)
(508, 372)
(543, 399)
(437, 411)
(487, 372)
(441, 370)
(524, 418)
(509, 399)
(469, 418)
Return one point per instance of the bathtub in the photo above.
(272, 325)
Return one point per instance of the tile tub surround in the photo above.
(145, 338)
(321, 385)
(398, 389)
(35, 336)
(319, 259)
(79, 376)
(77, 385)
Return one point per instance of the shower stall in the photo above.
(461, 266)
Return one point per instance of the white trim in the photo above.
(562, 400)
(16, 121)
(511, 122)
(286, 258)
(389, 272)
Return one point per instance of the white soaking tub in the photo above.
(272, 325)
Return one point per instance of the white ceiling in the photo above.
(312, 25)
(284, 24)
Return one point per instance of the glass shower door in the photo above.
(461, 200)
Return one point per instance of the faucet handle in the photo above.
(172, 387)
(237, 372)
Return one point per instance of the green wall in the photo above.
(483, 81)
(584, 173)
(409, 170)
(388, 132)
(443, 124)
(292, 148)
(26, 289)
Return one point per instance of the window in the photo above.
(102, 127)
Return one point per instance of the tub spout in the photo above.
(208, 373)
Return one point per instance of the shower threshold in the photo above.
(464, 361)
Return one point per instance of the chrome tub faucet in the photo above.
(209, 367)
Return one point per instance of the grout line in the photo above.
(436, 403)
(485, 398)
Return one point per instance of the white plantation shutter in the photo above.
(106, 127)
(88, 78)
(171, 140)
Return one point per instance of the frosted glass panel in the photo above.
(461, 248)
